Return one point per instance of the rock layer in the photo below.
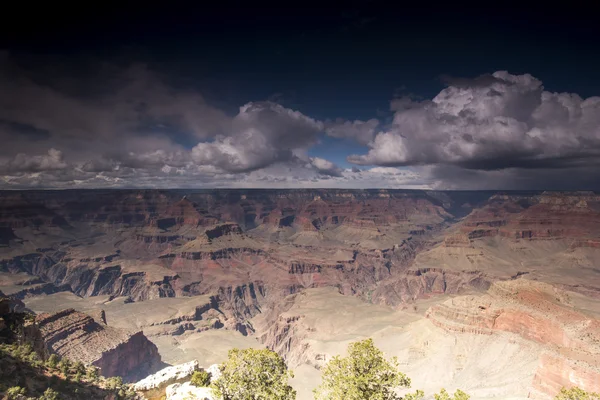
(537, 312)
(248, 250)
(116, 352)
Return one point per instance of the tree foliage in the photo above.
(417, 395)
(52, 361)
(254, 374)
(92, 373)
(64, 365)
(114, 383)
(576, 393)
(79, 367)
(363, 374)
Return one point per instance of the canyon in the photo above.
(497, 294)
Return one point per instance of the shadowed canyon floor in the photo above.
(497, 294)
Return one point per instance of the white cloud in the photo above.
(502, 121)
(262, 134)
(325, 167)
(494, 131)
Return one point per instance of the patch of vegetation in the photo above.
(458, 395)
(22, 372)
(366, 374)
(50, 394)
(15, 392)
(252, 374)
(576, 393)
(25, 374)
(200, 378)
(363, 374)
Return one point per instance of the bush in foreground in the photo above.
(363, 374)
(200, 378)
(254, 374)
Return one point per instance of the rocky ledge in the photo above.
(117, 352)
(173, 382)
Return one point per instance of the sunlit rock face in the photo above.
(200, 272)
(540, 313)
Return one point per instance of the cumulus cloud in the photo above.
(51, 161)
(361, 131)
(262, 133)
(493, 122)
(128, 127)
(298, 175)
(325, 167)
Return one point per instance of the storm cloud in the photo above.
(490, 123)
(261, 134)
(129, 127)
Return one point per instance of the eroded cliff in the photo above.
(117, 352)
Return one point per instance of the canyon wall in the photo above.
(117, 352)
(537, 312)
(250, 250)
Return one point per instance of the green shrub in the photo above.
(254, 374)
(200, 378)
(114, 383)
(23, 351)
(576, 393)
(92, 373)
(52, 361)
(34, 359)
(126, 393)
(417, 395)
(15, 391)
(64, 366)
(363, 374)
(50, 394)
(458, 395)
(79, 367)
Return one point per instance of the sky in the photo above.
(244, 94)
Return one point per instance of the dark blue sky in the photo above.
(324, 59)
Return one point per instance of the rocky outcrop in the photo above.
(550, 215)
(183, 391)
(423, 282)
(537, 312)
(167, 376)
(556, 371)
(116, 352)
(469, 314)
(95, 276)
(174, 382)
